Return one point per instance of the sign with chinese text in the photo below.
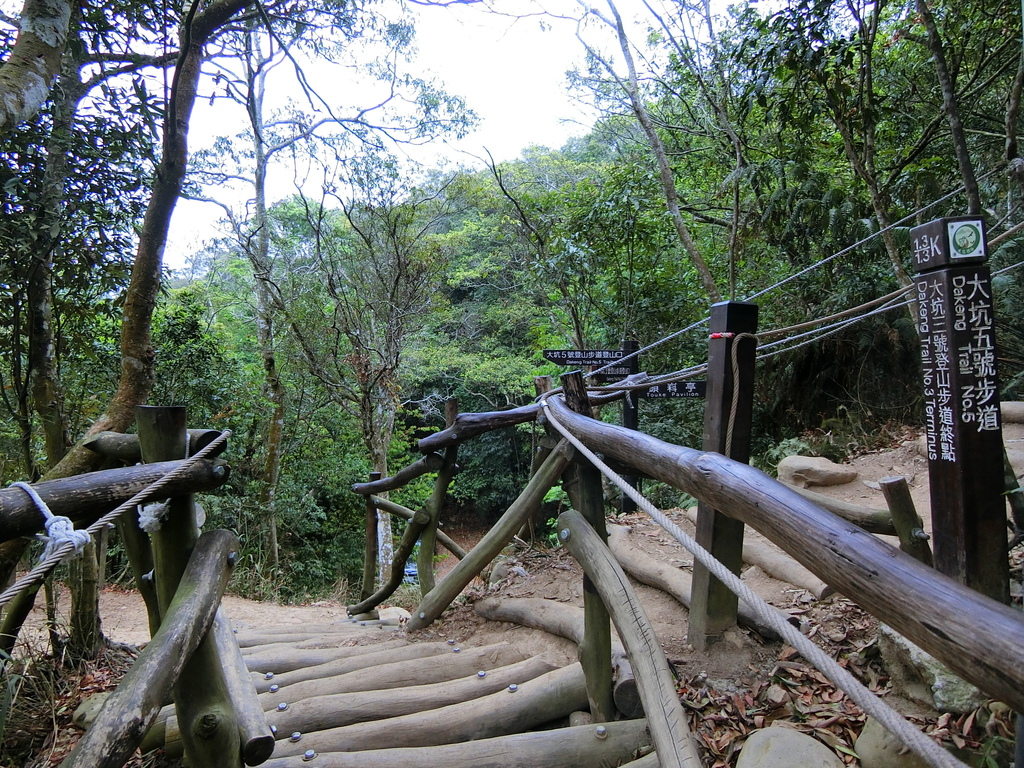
(685, 389)
(964, 441)
(948, 242)
(595, 358)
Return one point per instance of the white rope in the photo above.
(152, 515)
(924, 747)
(39, 572)
(59, 530)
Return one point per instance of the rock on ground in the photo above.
(877, 748)
(781, 747)
(805, 471)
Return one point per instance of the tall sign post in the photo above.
(961, 396)
(713, 607)
(630, 420)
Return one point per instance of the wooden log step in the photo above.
(349, 632)
(529, 704)
(566, 621)
(401, 674)
(670, 580)
(579, 747)
(350, 662)
(340, 709)
(287, 658)
(307, 642)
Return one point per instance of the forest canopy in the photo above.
(777, 154)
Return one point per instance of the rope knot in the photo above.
(60, 530)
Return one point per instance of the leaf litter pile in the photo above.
(795, 695)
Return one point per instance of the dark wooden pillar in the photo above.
(961, 393)
(630, 420)
(370, 546)
(587, 497)
(712, 606)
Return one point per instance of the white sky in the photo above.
(510, 71)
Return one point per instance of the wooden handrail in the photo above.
(83, 498)
(975, 636)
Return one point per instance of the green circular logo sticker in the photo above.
(965, 239)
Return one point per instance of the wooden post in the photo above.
(587, 496)
(370, 547)
(964, 434)
(973, 635)
(713, 607)
(402, 551)
(428, 539)
(666, 720)
(630, 420)
(542, 385)
(135, 703)
(500, 534)
(909, 527)
(209, 725)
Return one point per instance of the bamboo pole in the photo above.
(665, 717)
(134, 704)
(580, 746)
(973, 635)
(500, 534)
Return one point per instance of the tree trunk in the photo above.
(952, 110)
(137, 353)
(668, 183)
(256, 244)
(35, 60)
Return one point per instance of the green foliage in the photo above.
(10, 683)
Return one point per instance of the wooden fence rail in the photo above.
(975, 636)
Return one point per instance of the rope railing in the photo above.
(923, 746)
(65, 547)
